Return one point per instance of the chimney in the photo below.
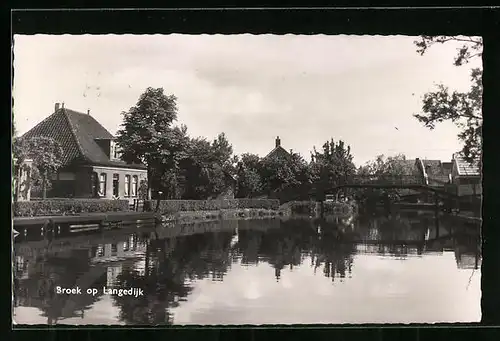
(56, 107)
(62, 105)
(291, 151)
(88, 111)
(278, 141)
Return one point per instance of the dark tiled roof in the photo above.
(466, 168)
(76, 133)
(433, 167)
(278, 151)
(409, 167)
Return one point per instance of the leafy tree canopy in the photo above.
(249, 183)
(333, 164)
(46, 154)
(149, 137)
(462, 108)
(396, 165)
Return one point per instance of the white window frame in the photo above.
(103, 178)
(116, 177)
(133, 189)
(114, 151)
(127, 185)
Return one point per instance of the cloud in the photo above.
(306, 89)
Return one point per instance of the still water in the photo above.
(407, 268)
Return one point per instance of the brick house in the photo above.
(92, 167)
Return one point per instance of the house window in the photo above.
(133, 191)
(127, 185)
(94, 181)
(114, 151)
(116, 182)
(126, 245)
(100, 251)
(102, 185)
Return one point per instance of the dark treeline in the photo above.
(183, 167)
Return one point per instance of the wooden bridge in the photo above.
(413, 182)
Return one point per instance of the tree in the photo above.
(332, 166)
(249, 181)
(462, 108)
(209, 168)
(196, 169)
(282, 175)
(392, 166)
(223, 166)
(47, 158)
(148, 136)
(19, 154)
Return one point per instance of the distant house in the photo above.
(92, 167)
(466, 176)
(278, 151)
(435, 172)
(408, 169)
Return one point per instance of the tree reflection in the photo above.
(293, 241)
(333, 249)
(172, 264)
(167, 274)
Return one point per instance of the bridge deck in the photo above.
(388, 182)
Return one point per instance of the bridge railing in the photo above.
(381, 180)
(386, 180)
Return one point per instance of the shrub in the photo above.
(48, 207)
(213, 205)
(302, 207)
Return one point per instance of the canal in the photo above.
(409, 267)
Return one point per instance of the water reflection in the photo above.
(174, 266)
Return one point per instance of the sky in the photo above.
(304, 89)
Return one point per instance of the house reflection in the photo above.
(36, 281)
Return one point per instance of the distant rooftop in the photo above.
(466, 168)
(77, 133)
